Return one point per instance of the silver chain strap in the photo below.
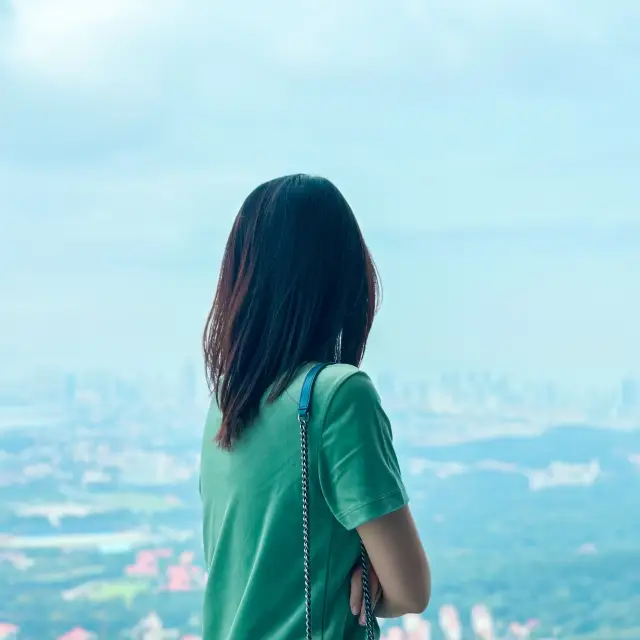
(366, 590)
(305, 524)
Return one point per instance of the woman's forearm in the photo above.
(387, 609)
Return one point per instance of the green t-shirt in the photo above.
(253, 510)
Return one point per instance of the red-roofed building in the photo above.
(8, 631)
(78, 634)
(146, 565)
(146, 557)
(136, 570)
(179, 578)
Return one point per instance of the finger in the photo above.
(355, 600)
(375, 588)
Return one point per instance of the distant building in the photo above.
(561, 473)
(629, 397)
(151, 628)
(450, 622)
(416, 628)
(179, 578)
(482, 622)
(8, 631)
(146, 565)
(78, 634)
(522, 631)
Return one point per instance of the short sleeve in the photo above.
(358, 467)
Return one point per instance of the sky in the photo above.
(488, 147)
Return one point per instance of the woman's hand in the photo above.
(356, 599)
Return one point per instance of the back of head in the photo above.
(297, 285)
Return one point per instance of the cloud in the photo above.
(66, 41)
(116, 43)
(94, 78)
(130, 131)
(142, 119)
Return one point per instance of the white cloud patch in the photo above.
(125, 114)
(75, 40)
(87, 43)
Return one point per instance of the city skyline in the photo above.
(101, 508)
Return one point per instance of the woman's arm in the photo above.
(362, 484)
(400, 563)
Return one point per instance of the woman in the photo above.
(298, 287)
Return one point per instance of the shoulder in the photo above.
(338, 384)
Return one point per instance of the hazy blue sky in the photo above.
(491, 147)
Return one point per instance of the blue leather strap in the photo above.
(304, 405)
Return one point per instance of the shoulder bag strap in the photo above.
(304, 416)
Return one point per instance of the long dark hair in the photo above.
(297, 285)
